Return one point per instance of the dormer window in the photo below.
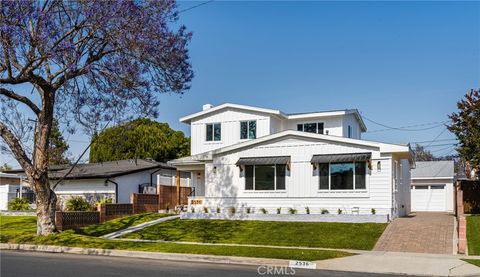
(248, 129)
(311, 127)
(213, 132)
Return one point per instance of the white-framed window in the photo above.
(314, 127)
(248, 129)
(265, 177)
(342, 176)
(213, 132)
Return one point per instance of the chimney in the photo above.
(207, 107)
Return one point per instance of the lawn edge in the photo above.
(181, 257)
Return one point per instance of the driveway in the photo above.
(420, 232)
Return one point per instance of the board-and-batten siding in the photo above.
(225, 185)
(230, 120)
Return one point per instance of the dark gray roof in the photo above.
(433, 169)
(105, 169)
(336, 158)
(264, 160)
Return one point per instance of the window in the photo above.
(311, 127)
(248, 129)
(214, 132)
(342, 176)
(265, 177)
(349, 129)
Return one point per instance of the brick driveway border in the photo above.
(420, 232)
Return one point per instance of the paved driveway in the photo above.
(420, 232)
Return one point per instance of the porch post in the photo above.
(178, 187)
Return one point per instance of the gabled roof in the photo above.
(382, 147)
(187, 119)
(105, 169)
(433, 170)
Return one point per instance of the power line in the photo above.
(426, 141)
(195, 6)
(437, 137)
(405, 128)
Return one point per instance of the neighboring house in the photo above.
(245, 156)
(116, 180)
(432, 186)
(10, 187)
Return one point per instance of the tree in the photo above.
(5, 167)
(140, 138)
(466, 126)
(89, 62)
(422, 154)
(57, 150)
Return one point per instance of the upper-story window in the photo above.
(214, 132)
(311, 127)
(248, 129)
(349, 131)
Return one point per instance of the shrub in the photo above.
(292, 211)
(18, 204)
(249, 210)
(192, 209)
(324, 211)
(307, 210)
(373, 211)
(205, 210)
(167, 207)
(218, 210)
(104, 201)
(339, 211)
(78, 204)
(264, 211)
(232, 210)
(279, 210)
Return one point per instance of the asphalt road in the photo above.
(19, 264)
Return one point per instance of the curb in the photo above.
(145, 255)
(138, 227)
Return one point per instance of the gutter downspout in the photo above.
(151, 175)
(116, 188)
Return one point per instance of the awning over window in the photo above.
(337, 158)
(264, 160)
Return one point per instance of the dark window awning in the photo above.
(338, 158)
(264, 160)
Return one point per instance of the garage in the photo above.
(432, 186)
(429, 198)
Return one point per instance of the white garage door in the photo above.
(428, 198)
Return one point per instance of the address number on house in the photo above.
(302, 264)
(196, 202)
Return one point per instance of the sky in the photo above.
(399, 63)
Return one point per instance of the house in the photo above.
(432, 186)
(115, 180)
(10, 187)
(245, 156)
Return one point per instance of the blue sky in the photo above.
(399, 63)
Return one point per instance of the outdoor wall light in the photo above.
(214, 169)
(379, 166)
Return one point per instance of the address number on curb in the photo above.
(302, 264)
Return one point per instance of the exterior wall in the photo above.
(351, 120)
(332, 125)
(7, 193)
(230, 120)
(401, 181)
(449, 189)
(225, 184)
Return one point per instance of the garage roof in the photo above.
(433, 169)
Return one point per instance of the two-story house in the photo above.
(245, 156)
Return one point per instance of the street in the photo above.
(19, 264)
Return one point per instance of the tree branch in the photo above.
(16, 148)
(10, 94)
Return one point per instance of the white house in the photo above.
(432, 186)
(10, 187)
(245, 156)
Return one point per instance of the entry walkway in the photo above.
(420, 233)
(138, 227)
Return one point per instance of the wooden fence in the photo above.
(75, 220)
(144, 203)
(471, 196)
(112, 211)
(168, 196)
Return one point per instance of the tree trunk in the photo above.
(46, 205)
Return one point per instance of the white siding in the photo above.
(225, 185)
(332, 125)
(351, 120)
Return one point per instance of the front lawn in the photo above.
(474, 262)
(21, 229)
(473, 234)
(307, 234)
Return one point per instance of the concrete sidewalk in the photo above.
(403, 263)
(138, 227)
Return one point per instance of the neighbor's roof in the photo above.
(433, 170)
(187, 119)
(105, 169)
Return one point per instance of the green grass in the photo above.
(474, 262)
(308, 234)
(21, 229)
(119, 224)
(473, 234)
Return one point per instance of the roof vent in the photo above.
(207, 107)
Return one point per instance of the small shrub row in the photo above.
(249, 210)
